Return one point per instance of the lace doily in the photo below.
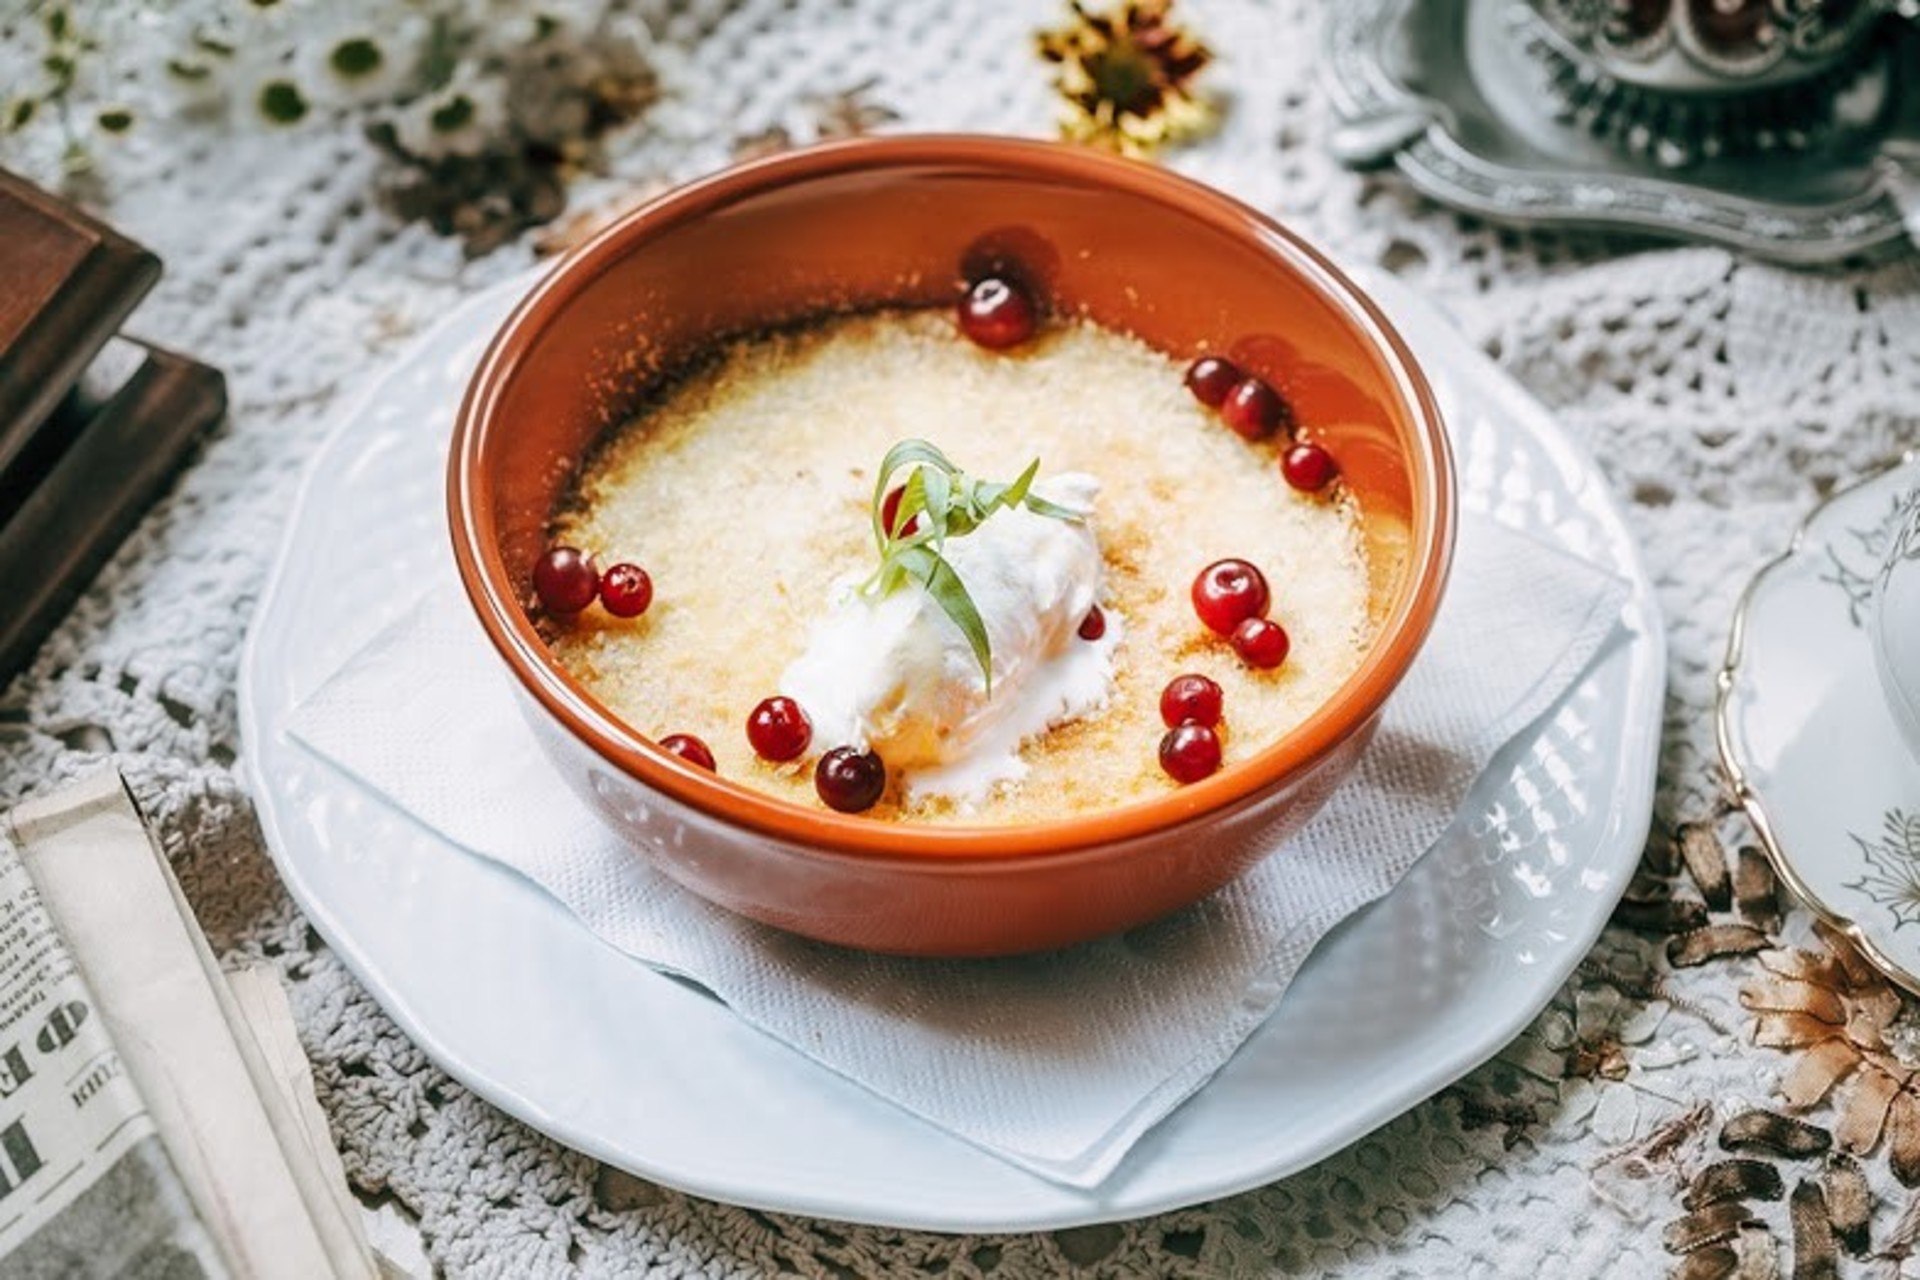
(1722, 396)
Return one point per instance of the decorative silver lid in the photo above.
(1711, 46)
(1482, 105)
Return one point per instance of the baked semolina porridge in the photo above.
(764, 606)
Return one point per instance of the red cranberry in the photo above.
(626, 590)
(1261, 642)
(1253, 409)
(890, 511)
(1190, 699)
(690, 749)
(850, 780)
(779, 729)
(1227, 593)
(1094, 625)
(565, 580)
(996, 314)
(1210, 378)
(1307, 467)
(1190, 752)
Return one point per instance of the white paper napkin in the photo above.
(1058, 1063)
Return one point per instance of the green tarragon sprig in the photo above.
(949, 504)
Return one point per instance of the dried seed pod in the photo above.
(1863, 1113)
(1874, 1009)
(1662, 915)
(1774, 1134)
(1714, 1225)
(1706, 862)
(1903, 1138)
(1734, 1180)
(1849, 1202)
(1817, 1071)
(1662, 854)
(1712, 942)
(1645, 886)
(1791, 1030)
(1804, 966)
(1755, 889)
(1814, 1257)
(1784, 995)
(1716, 1263)
(1676, 1133)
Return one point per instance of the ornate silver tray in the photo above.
(1469, 100)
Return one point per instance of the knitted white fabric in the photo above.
(1722, 396)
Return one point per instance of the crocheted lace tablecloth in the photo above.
(1722, 396)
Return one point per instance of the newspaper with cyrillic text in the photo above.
(156, 1113)
(86, 1186)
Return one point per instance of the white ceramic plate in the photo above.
(1808, 738)
(498, 984)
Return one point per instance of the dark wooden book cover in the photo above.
(66, 283)
(56, 532)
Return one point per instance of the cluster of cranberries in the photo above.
(1231, 598)
(1255, 411)
(1190, 706)
(846, 778)
(566, 582)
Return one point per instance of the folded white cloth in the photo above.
(1060, 1062)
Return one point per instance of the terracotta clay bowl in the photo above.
(900, 221)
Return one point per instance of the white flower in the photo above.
(343, 59)
(458, 120)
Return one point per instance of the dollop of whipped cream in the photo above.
(896, 676)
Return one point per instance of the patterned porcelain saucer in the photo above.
(1808, 740)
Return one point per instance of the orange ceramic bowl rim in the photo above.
(489, 584)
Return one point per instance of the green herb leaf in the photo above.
(905, 454)
(933, 572)
(1017, 492)
(938, 507)
(1052, 510)
(948, 504)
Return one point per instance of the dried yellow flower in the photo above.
(1126, 75)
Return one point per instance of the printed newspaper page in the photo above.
(163, 1000)
(86, 1187)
